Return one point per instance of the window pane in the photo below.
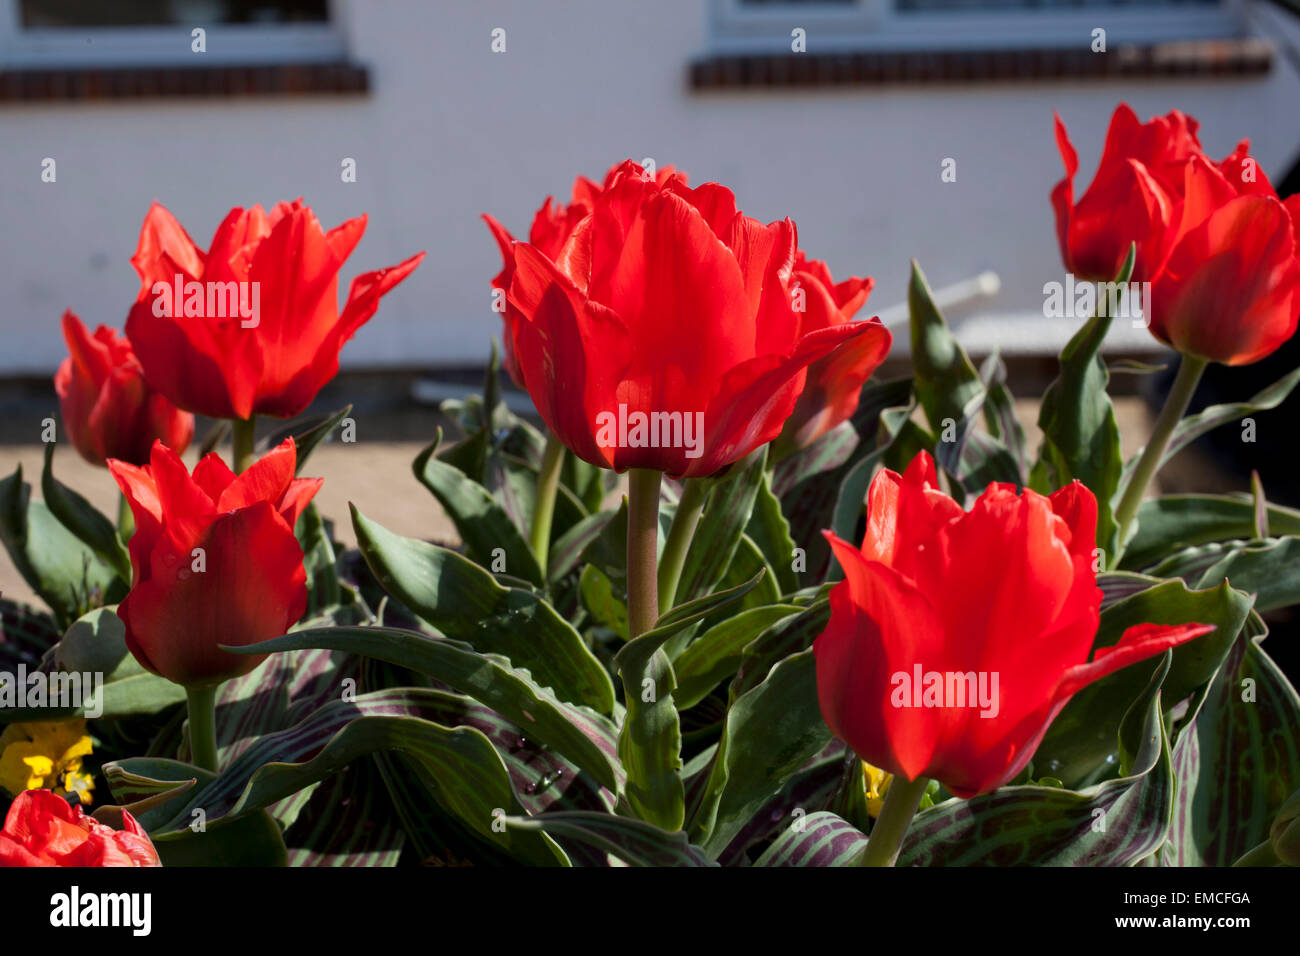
(798, 3)
(949, 5)
(162, 13)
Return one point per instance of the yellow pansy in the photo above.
(41, 754)
(877, 784)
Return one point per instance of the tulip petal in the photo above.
(574, 353)
(252, 589)
(881, 627)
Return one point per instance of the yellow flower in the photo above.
(877, 784)
(42, 754)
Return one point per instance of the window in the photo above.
(37, 34)
(848, 26)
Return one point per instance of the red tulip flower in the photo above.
(252, 326)
(956, 637)
(552, 225)
(834, 383)
(107, 407)
(1133, 198)
(662, 335)
(1230, 289)
(214, 561)
(43, 829)
(1217, 245)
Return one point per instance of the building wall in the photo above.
(452, 130)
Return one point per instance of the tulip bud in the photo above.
(108, 409)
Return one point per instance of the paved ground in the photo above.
(377, 477)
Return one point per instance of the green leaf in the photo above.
(727, 512)
(946, 381)
(1194, 426)
(1238, 763)
(1000, 414)
(819, 839)
(770, 530)
(715, 655)
(93, 649)
(567, 550)
(457, 765)
(252, 840)
(481, 522)
(650, 742)
(348, 821)
(1116, 823)
(1268, 569)
(634, 842)
(600, 601)
(1176, 522)
(1081, 741)
(778, 641)
(769, 734)
(307, 433)
(318, 561)
(487, 678)
(81, 518)
(68, 575)
(465, 602)
(1077, 419)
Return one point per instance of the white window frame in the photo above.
(877, 25)
(108, 47)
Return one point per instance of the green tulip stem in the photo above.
(642, 550)
(1176, 402)
(886, 840)
(548, 483)
(680, 534)
(241, 440)
(202, 704)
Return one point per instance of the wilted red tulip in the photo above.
(830, 394)
(552, 224)
(662, 335)
(1133, 198)
(252, 326)
(956, 637)
(107, 407)
(215, 561)
(42, 829)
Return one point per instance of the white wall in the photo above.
(452, 130)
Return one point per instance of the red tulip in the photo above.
(1004, 595)
(214, 561)
(260, 331)
(552, 225)
(1133, 198)
(42, 829)
(1213, 239)
(834, 383)
(662, 335)
(1230, 289)
(108, 408)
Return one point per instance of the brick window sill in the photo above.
(1198, 59)
(188, 82)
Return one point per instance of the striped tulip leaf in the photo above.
(635, 842)
(487, 678)
(1175, 522)
(769, 734)
(818, 839)
(1238, 763)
